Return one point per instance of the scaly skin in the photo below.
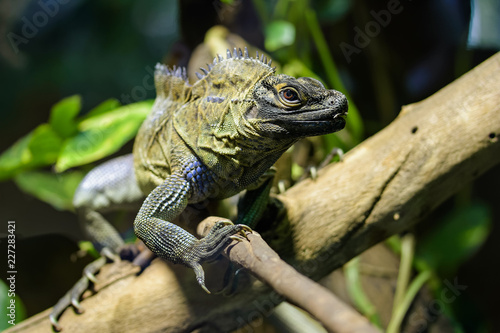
(209, 140)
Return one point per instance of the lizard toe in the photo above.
(210, 246)
(72, 297)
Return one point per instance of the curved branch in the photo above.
(258, 258)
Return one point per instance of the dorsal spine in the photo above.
(236, 54)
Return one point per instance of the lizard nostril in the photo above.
(340, 102)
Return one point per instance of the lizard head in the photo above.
(288, 107)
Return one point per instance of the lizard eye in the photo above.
(290, 97)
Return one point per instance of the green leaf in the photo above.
(279, 34)
(16, 157)
(455, 239)
(102, 108)
(102, 135)
(63, 114)
(88, 247)
(38, 148)
(401, 310)
(54, 189)
(357, 294)
(44, 145)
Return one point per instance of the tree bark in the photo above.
(383, 186)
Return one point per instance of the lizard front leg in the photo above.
(171, 242)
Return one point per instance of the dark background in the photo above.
(102, 49)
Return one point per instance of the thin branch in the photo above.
(263, 262)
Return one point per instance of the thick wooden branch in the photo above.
(395, 178)
(385, 185)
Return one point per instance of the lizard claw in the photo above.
(245, 228)
(313, 170)
(73, 295)
(200, 276)
(334, 152)
(244, 231)
(242, 234)
(93, 267)
(222, 223)
(70, 298)
(238, 238)
(209, 247)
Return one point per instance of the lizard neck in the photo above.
(241, 164)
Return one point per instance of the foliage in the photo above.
(439, 255)
(68, 141)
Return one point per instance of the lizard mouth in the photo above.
(318, 126)
(316, 122)
(318, 116)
